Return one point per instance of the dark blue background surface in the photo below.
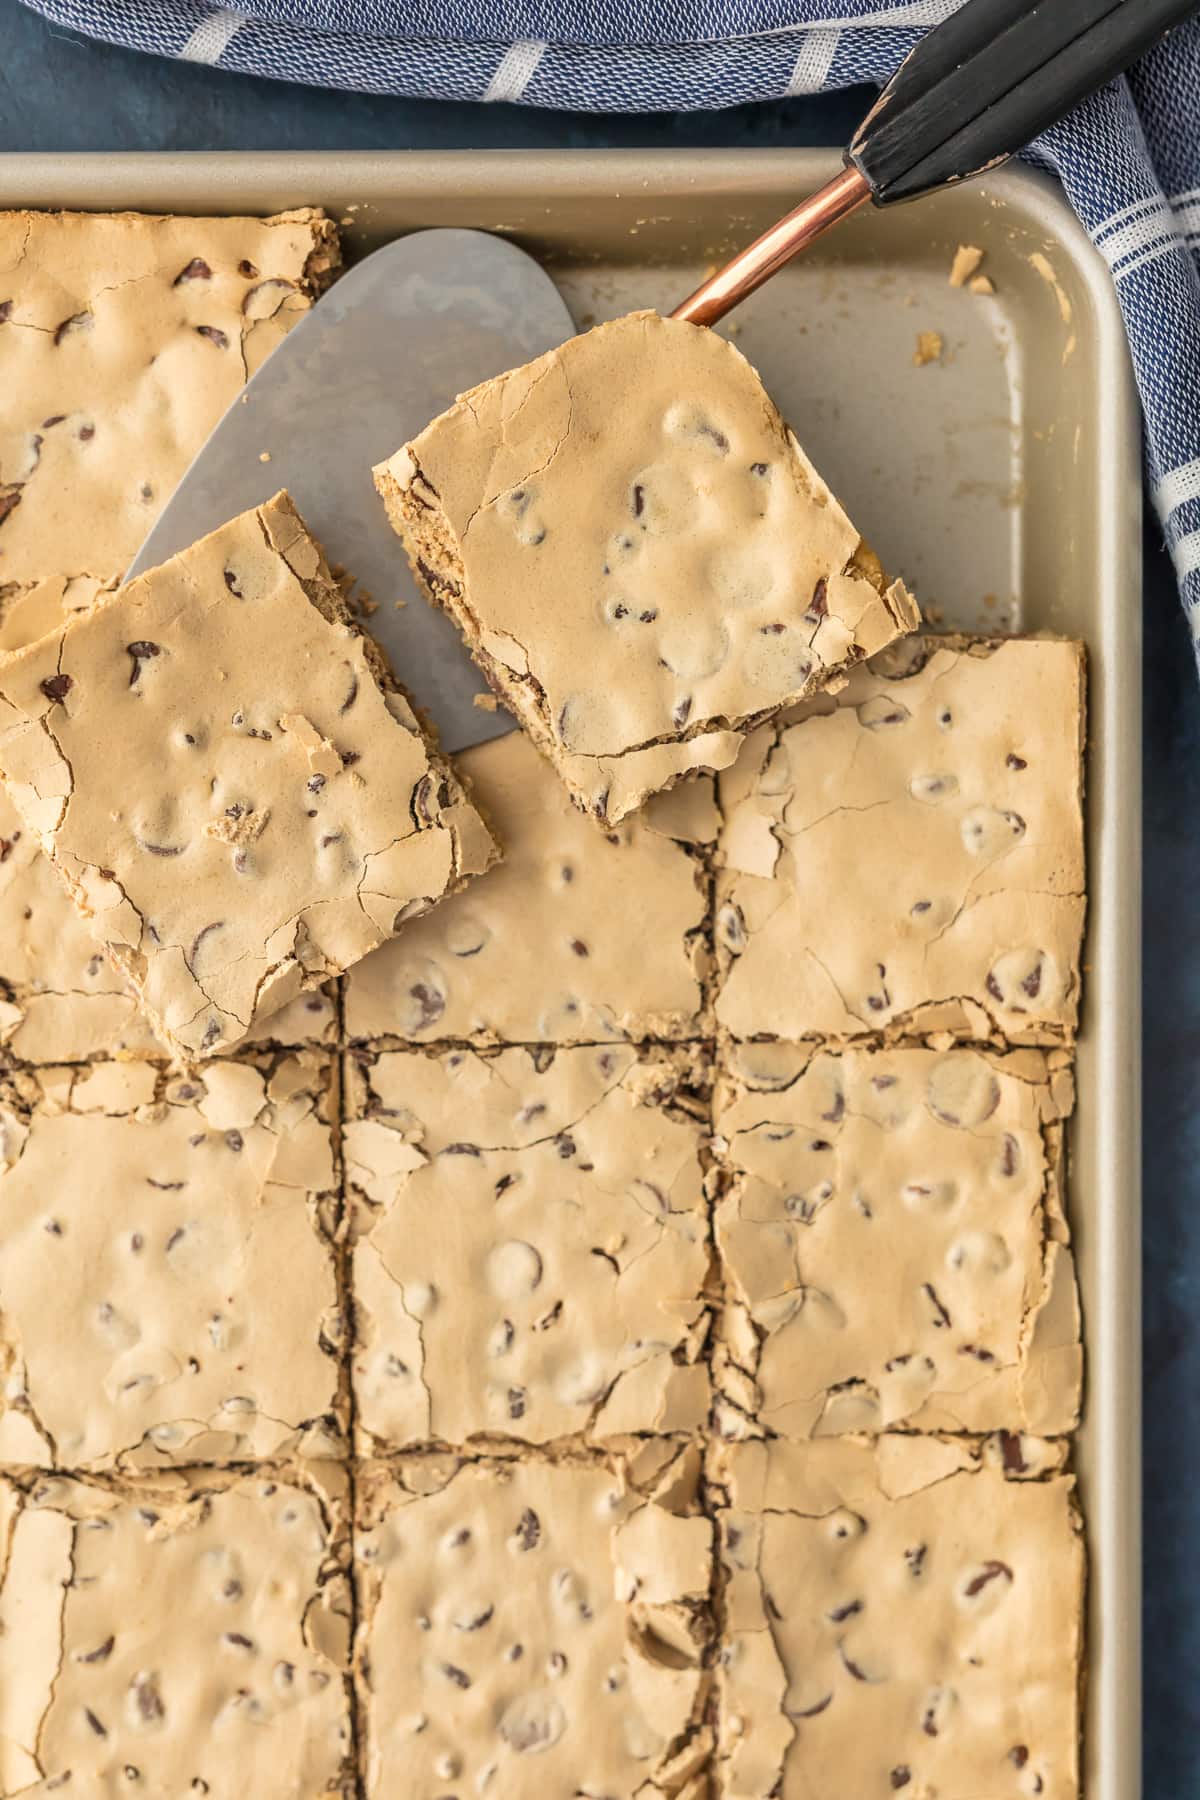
(59, 93)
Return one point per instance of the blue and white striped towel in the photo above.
(1129, 158)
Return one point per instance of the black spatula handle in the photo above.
(979, 86)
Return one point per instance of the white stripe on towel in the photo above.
(515, 70)
(212, 36)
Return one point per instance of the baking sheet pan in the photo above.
(1002, 480)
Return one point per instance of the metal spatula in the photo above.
(387, 349)
(418, 322)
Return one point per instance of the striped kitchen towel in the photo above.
(1129, 158)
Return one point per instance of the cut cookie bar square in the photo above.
(892, 1242)
(181, 1634)
(62, 1000)
(638, 553)
(577, 936)
(170, 1290)
(122, 341)
(901, 1617)
(910, 856)
(533, 1255)
(530, 1628)
(236, 793)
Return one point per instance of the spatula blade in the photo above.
(388, 347)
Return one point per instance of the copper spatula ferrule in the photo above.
(768, 253)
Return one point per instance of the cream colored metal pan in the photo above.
(1002, 478)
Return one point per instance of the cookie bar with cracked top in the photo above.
(238, 796)
(639, 555)
(148, 1218)
(893, 1244)
(576, 936)
(532, 1253)
(123, 339)
(62, 1000)
(181, 1634)
(528, 1628)
(902, 1616)
(909, 857)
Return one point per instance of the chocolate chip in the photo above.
(516, 1403)
(1016, 762)
(247, 268)
(638, 501)
(758, 468)
(196, 270)
(1018, 1756)
(57, 687)
(900, 1776)
(239, 1640)
(214, 334)
(6, 307)
(458, 1676)
(141, 650)
(915, 1558)
(1011, 1454)
(529, 1529)
(991, 1571)
(942, 1318)
(351, 694)
(100, 1654)
(231, 582)
(681, 712)
(99, 1729)
(205, 930)
(86, 433)
(80, 321)
(838, 1614)
(818, 606)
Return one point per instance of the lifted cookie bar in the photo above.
(900, 1617)
(641, 558)
(576, 937)
(233, 788)
(893, 1244)
(909, 856)
(170, 1291)
(533, 1249)
(182, 1634)
(529, 1628)
(123, 339)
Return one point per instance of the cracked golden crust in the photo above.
(893, 1244)
(225, 693)
(544, 1620)
(908, 857)
(180, 1634)
(148, 1217)
(122, 341)
(62, 1000)
(533, 1247)
(537, 951)
(638, 553)
(899, 1616)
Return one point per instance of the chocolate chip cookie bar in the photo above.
(62, 1000)
(909, 857)
(892, 1242)
(122, 341)
(532, 1252)
(182, 1634)
(639, 555)
(530, 1628)
(577, 936)
(902, 1616)
(235, 791)
(148, 1221)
